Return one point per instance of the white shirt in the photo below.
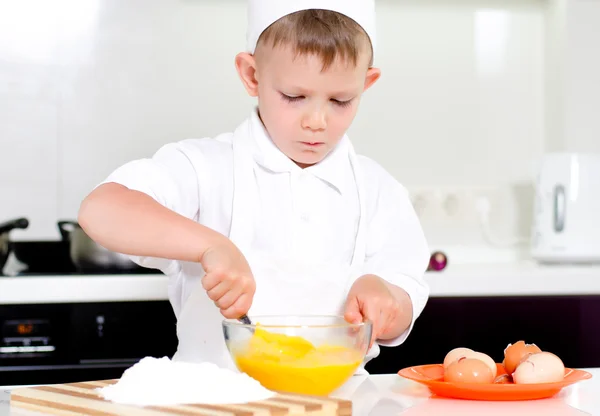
(312, 213)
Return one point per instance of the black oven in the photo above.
(69, 342)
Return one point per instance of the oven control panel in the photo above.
(26, 338)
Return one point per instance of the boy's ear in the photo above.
(245, 64)
(373, 74)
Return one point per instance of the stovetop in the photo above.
(52, 258)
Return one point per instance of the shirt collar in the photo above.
(333, 169)
(267, 153)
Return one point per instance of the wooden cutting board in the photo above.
(82, 399)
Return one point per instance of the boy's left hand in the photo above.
(370, 298)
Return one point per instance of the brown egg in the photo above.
(458, 353)
(515, 353)
(468, 370)
(486, 359)
(455, 354)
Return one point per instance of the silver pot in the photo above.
(86, 254)
(5, 229)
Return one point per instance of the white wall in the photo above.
(554, 91)
(573, 76)
(582, 80)
(461, 93)
(86, 85)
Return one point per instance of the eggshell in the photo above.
(503, 379)
(542, 367)
(514, 353)
(455, 354)
(468, 370)
(486, 359)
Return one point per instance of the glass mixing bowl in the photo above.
(298, 354)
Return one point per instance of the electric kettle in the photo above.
(566, 221)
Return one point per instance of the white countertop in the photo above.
(84, 288)
(503, 279)
(514, 279)
(393, 395)
(388, 395)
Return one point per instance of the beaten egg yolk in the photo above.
(292, 364)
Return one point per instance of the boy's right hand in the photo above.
(228, 280)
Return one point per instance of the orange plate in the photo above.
(432, 376)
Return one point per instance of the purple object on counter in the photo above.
(438, 261)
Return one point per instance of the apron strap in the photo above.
(360, 242)
(245, 194)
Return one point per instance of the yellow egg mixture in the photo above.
(292, 364)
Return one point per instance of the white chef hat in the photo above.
(263, 13)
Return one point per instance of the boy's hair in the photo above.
(325, 33)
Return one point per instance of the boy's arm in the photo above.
(146, 208)
(132, 222)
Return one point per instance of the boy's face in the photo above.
(306, 110)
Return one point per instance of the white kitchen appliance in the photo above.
(566, 222)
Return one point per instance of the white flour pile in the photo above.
(160, 381)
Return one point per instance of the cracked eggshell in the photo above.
(468, 370)
(456, 354)
(542, 367)
(514, 353)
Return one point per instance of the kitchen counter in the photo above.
(383, 395)
(514, 279)
(82, 288)
(505, 279)
(388, 395)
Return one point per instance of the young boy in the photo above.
(280, 216)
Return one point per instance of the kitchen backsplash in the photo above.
(86, 85)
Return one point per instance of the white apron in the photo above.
(284, 286)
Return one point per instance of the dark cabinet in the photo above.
(124, 331)
(62, 343)
(568, 326)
